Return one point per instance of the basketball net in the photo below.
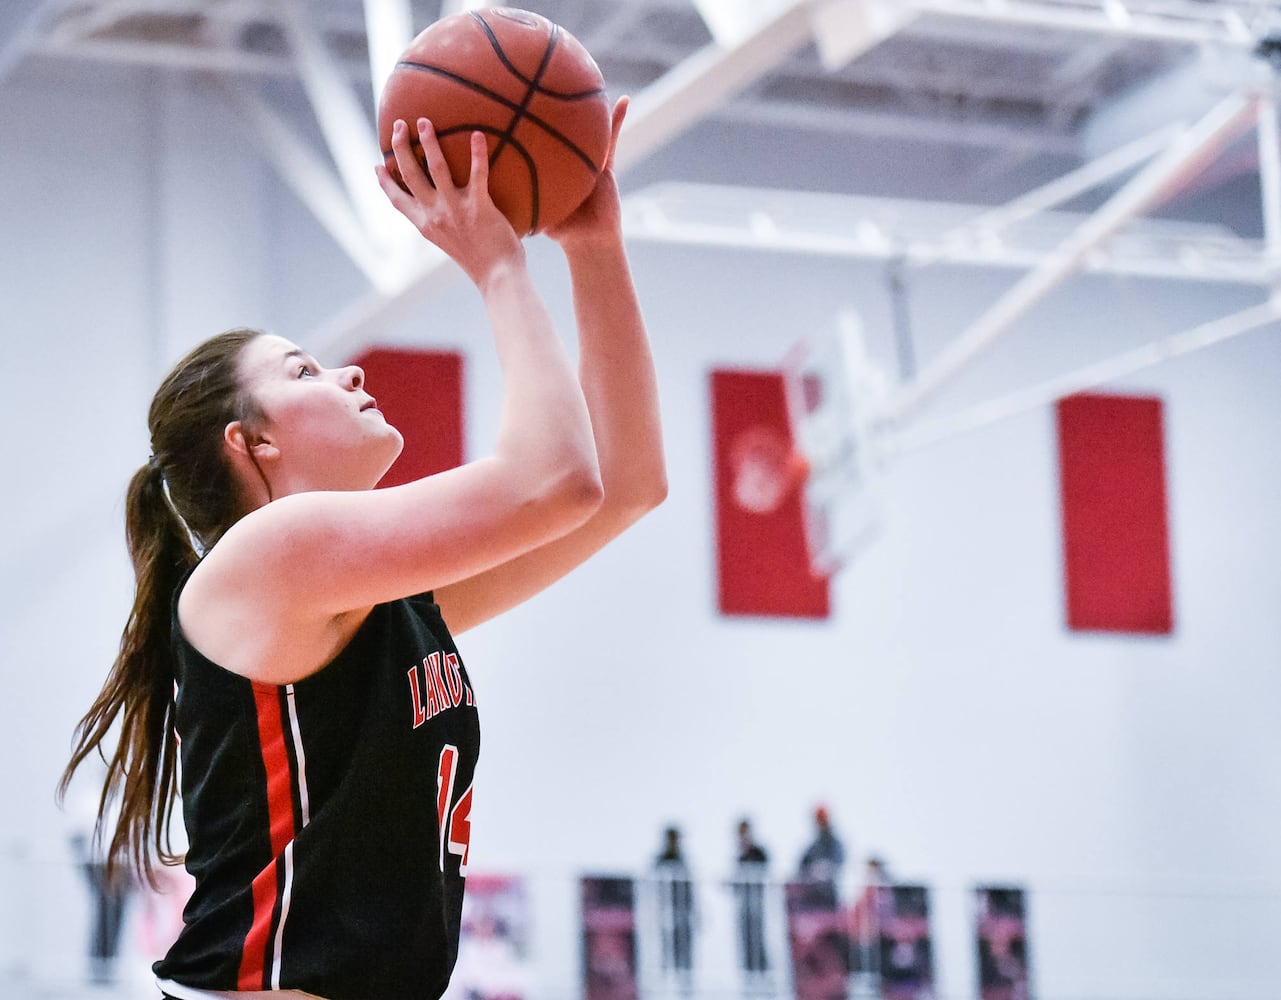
(835, 404)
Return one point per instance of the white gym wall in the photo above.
(944, 713)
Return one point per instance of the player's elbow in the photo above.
(629, 501)
(577, 492)
(656, 491)
(646, 497)
(586, 492)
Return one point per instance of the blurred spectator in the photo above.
(868, 916)
(825, 856)
(675, 907)
(110, 895)
(749, 888)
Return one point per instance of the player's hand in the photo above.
(462, 221)
(600, 216)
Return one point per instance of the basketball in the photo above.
(529, 85)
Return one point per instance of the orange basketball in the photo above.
(529, 86)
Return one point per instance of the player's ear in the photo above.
(240, 443)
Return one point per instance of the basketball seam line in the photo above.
(507, 103)
(523, 112)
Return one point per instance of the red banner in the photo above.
(421, 395)
(609, 938)
(762, 560)
(818, 937)
(1000, 927)
(1115, 538)
(493, 949)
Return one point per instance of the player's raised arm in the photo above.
(616, 371)
(329, 545)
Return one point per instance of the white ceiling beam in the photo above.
(1076, 182)
(705, 80)
(346, 124)
(102, 16)
(1195, 24)
(448, 7)
(853, 121)
(922, 234)
(732, 22)
(164, 55)
(845, 29)
(673, 102)
(20, 25)
(1087, 377)
(389, 28)
(1270, 174)
(369, 318)
(311, 179)
(1183, 160)
(716, 73)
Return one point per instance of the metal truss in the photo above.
(751, 39)
(1230, 22)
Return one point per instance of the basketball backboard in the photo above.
(835, 401)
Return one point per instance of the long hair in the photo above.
(177, 506)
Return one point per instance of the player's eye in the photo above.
(305, 370)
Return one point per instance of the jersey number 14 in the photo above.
(455, 822)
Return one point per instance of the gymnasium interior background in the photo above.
(943, 708)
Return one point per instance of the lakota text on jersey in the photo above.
(437, 684)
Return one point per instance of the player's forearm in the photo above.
(544, 427)
(616, 370)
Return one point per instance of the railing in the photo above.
(627, 936)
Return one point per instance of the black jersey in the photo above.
(329, 820)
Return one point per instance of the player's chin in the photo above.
(391, 445)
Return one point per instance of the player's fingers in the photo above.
(437, 167)
(401, 200)
(411, 170)
(479, 161)
(616, 126)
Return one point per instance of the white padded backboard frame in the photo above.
(835, 402)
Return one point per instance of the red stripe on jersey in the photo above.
(253, 957)
(268, 884)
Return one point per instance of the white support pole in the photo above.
(1099, 373)
(1189, 25)
(678, 99)
(1270, 175)
(1184, 159)
(389, 28)
(310, 179)
(1075, 182)
(730, 22)
(706, 80)
(344, 123)
(22, 22)
(343, 337)
(448, 7)
(716, 73)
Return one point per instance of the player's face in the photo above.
(324, 424)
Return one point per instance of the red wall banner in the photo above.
(607, 908)
(1116, 548)
(421, 394)
(763, 565)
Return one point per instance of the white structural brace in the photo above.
(754, 38)
(1183, 159)
(676, 100)
(1207, 334)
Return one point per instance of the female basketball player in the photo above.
(290, 620)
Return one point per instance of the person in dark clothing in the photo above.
(749, 888)
(825, 856)
(675, 907)
(289, 668)
(110, 891)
